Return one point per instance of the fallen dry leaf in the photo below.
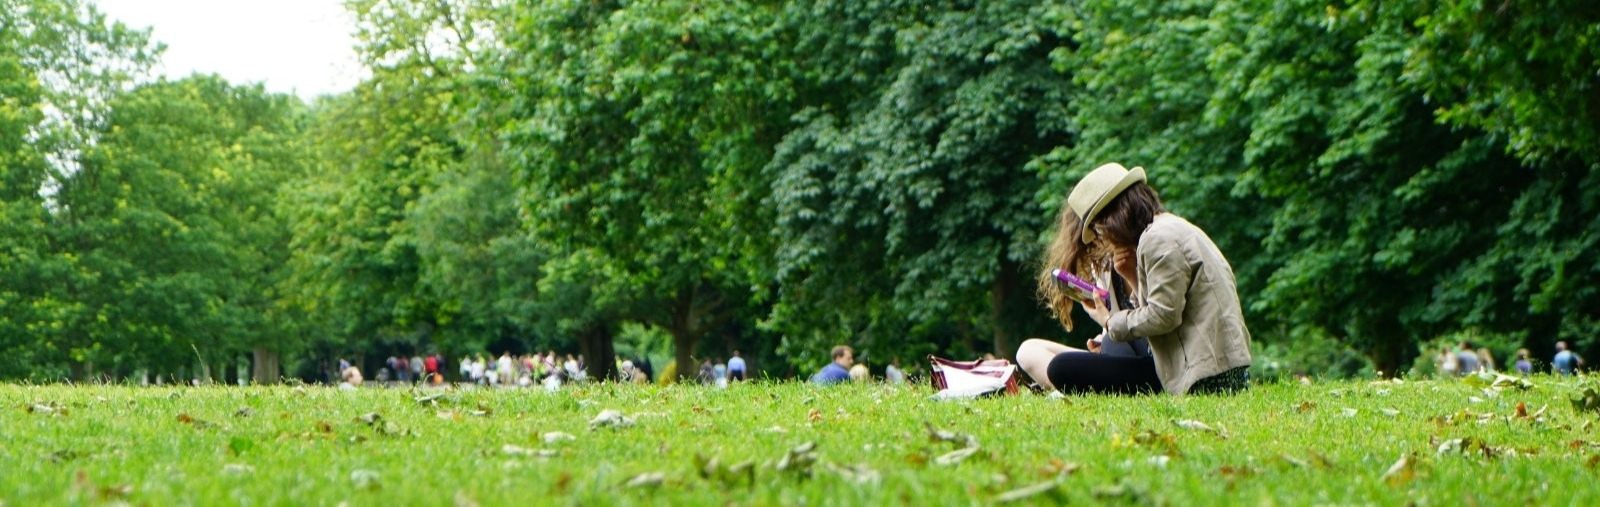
(938, 435)
(646, 480)
(364, 479)
(1235, 472)
(858, 474)
(799, 459)
(1190, 424)
(523, 452)
(956, 456)
(1401, 471)
(197, 423)
(1296, 462)
(1027, 492)
(610, 419)
(1468, 445)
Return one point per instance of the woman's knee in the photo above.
(1035, 352)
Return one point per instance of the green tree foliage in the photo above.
(60, 62)
(906, 207)
(382, 148)
(174, 244)
(635, 125)
(23, 217)
(1398, 206)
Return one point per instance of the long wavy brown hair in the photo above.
(1067, 251)
(1121, 223)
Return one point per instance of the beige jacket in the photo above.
(1190, 306)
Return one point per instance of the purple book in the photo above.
(1082, 286)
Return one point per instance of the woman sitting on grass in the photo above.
(1183, 296)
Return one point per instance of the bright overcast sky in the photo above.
(303, 47)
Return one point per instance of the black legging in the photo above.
(1088, 372)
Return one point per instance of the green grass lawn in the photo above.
(1287, 444)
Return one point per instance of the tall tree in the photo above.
(906, 203)
(635, 123)
(1345, 141)
(170, 223)
(24, 219)
(383, 146)
(66, 58)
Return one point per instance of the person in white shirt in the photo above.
(893, 374)
(506, 368)
(478, 366)
(736, 367)
(571, 366)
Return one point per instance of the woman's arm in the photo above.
(1168, 274)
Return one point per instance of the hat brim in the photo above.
(1134, 175)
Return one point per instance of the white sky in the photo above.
(305, 47)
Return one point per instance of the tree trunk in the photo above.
(1002, 295)
(225, 371)
(1392, 349)
(683, 342)
(681, 326)
(265, 369)
(599, 353)
(999, 294)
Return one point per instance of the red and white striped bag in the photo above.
(966, 379)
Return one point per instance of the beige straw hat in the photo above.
(1097, 189)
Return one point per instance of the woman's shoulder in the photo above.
(1168, 227)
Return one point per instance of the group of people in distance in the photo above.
(548, 369)
(844, 368)
(711, 372)
(1466, 359)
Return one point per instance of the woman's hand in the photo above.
(1127, 265)
(1096, 311)
(1093, 345)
